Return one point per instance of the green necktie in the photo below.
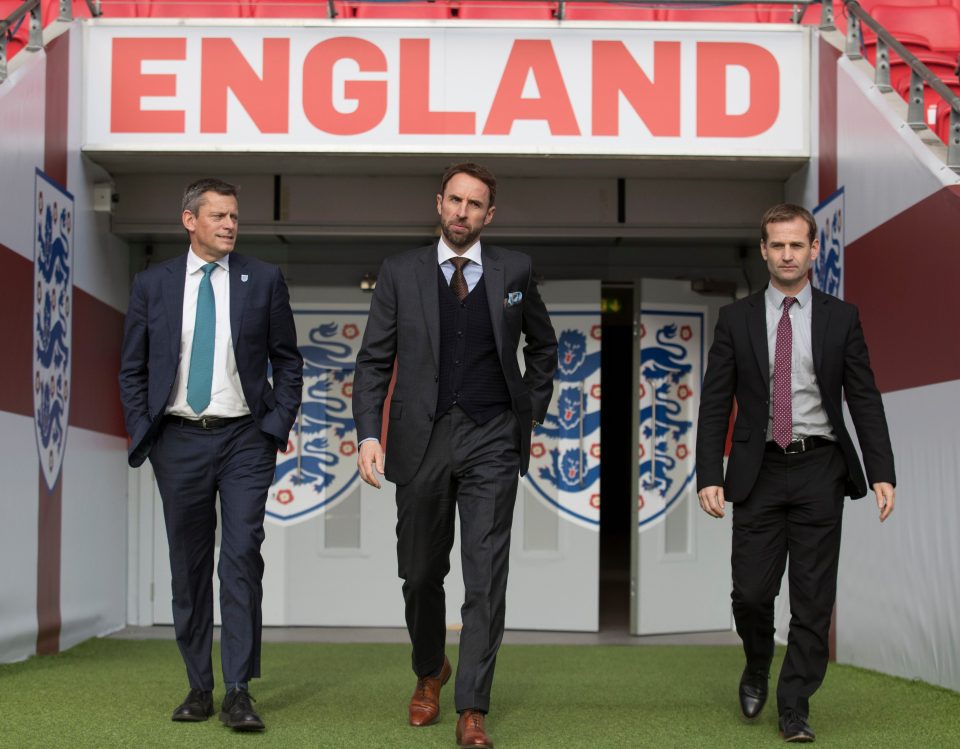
(200, 377)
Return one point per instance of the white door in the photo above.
(680, 555)
(330, 548)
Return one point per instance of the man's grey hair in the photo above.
(193, 195)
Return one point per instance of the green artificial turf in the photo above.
(120, 693)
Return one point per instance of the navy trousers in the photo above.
(193, 466)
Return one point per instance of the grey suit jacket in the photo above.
(404, 325)
(739, 366)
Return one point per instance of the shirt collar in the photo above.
(444, 253)
(195, 262)
(775, 297)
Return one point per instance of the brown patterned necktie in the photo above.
(457, 282)
(782, 375)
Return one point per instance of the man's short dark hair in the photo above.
(193, 194)
(788, 212)
(477, 172)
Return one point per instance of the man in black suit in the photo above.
(789, 354)
(451, 314)
(201, 332)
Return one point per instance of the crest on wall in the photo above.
(318, 468)
(671, 371)
(565, 449)
(828, 267)
(52, 321)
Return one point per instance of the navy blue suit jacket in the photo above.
(264, 338)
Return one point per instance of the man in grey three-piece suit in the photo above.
(450, 315)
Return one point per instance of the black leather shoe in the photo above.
(237, 712)
(794, 728)
(197, 706)
(753, 693)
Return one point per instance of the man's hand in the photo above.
(711, 500)
(370, 462)
(885, 494)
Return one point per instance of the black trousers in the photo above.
(192, 466)
(474, 469)
(795, 510)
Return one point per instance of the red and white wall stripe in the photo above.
(64, 550)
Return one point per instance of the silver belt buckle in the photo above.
(203, 422)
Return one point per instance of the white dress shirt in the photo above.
(809, 417)
(226, 393)
(472, 271)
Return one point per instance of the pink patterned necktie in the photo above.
(782, 366)
(457, 281)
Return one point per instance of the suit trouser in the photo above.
(795, 509)
(192, 465)
(474, 469)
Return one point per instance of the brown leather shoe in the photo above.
(470, 731)
(425, 703)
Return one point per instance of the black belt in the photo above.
(204, 422)
(800, 446)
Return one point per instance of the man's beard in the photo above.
(464, 242)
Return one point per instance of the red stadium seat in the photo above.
(719, 14)
(298, 9)
(188, 9)
(943, 116)
(518, 10)
(584, 11)
(108, 9)
(412, 9)
(19, 36)
(939, 64)
(939, 25)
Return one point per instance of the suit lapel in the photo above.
(493, 280)
(757, 323)
(172, 291)
(819, 323)
(238, 295)
(426, 289)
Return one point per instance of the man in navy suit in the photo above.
(202, 333)
(789, 353)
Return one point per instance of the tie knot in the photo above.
(788, 301)
(208, 268)
(459, 262)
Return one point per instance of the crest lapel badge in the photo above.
(244, 278)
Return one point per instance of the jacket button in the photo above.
(436, 378)
(429, 417)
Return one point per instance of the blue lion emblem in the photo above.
(564, 472)
(325, 355)
(566, 422)
(828, 270)
(663, 366)
(52, 311)
(573, 362)
(314, 461)
(666, 358)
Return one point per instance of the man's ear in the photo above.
(189, 221)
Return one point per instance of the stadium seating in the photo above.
(19, 35)
(724, 14)
(108, 9)
(517, 10)
(298, 9)
(943, 116)
(938, 25)
(410, 9)
(599, 11)
(189, 9)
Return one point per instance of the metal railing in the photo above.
(920, 76)
(28, 12)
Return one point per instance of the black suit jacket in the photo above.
(263, 332)
(739, 366)
(404, 324)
